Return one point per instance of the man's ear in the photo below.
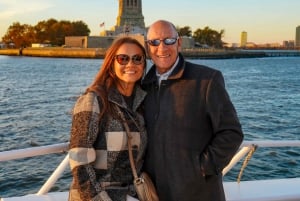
(179, 43)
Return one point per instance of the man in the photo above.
(193, 129)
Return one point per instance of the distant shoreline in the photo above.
(99, 53)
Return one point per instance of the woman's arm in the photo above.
(85, 127)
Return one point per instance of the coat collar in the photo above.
(176, 74)
(116, 97)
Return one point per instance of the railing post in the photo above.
(237, 157)
(54, 177)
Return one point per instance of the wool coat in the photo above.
(193, 132)
(98, 153)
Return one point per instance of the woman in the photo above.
(98, 145)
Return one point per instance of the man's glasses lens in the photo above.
(166, 41)
(124, 59)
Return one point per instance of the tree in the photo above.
(80, 28)
(210, 37)
(50, 31)
(184, 31)
(43, 30)
(20, 35)
(56, 31)
(59, 30)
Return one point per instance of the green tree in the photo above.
(184, 31)
(210, 37)
(80, 28)
(59, 30)
(43, 30)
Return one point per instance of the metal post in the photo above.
(54, 177)
(237, 157)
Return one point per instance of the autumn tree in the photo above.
(20, 34)
(56, 31)
(50, 31)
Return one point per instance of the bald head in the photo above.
(164, 26)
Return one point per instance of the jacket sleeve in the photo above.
(227, 133)
(84, 130)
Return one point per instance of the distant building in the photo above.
(231, 45)
(95, 41)
(40, 45)
(130, 21)
(187, 42)
(243, 39)
(297, 39)
(250, 45)
(130, 18)
(2, 45)
(288, 44)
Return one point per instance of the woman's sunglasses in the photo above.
(166, 41)
(123, 59)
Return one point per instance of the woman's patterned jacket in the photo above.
(98, 152)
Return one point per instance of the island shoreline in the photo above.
(99, 53)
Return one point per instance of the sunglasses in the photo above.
(166, 41)
(123, 59)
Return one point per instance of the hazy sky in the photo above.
(264, 20)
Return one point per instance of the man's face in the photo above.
(162, 48)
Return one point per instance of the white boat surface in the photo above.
(287, 189)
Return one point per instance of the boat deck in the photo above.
(259, 190)
(263, 190)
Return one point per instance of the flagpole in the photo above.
(102, 26)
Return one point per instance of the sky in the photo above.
(265, 21)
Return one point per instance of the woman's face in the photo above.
(129, 63)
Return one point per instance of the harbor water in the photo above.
(37, 96)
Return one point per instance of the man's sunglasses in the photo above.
(123, 59)
(166, 41)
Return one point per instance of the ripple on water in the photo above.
(37, 96)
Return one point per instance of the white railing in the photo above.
(54, 176)
(33, 151)
(38, 151)
(245, 148)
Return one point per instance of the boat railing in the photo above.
(247, 148)
(38, 151)
(33, 151)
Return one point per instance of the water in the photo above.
(37, 95)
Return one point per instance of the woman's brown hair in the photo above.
(106, 77)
